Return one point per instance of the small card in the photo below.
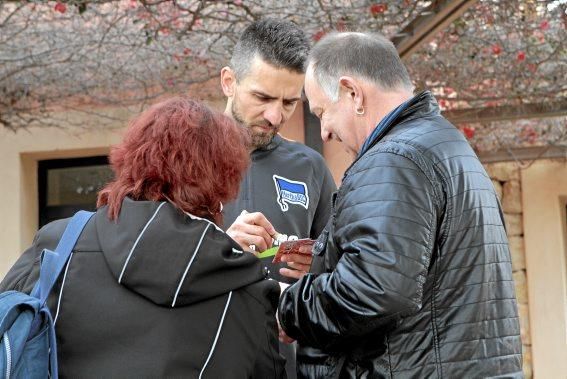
(268, 253)
(292, 247)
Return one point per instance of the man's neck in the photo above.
(387, 102)
(378, 104)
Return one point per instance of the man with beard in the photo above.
(288, 187)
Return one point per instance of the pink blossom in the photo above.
(60, 7)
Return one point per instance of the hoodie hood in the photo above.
(171, 258)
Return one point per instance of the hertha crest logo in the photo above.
(291, 192)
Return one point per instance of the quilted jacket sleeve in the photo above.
(384, 229)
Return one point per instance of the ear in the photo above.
(228, 81)
(349, 86)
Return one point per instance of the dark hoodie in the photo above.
(157, 294)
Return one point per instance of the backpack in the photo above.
(28, 348)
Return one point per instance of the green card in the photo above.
(269, 252)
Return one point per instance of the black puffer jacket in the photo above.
(412, 277)
(189, 303)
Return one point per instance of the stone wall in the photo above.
(506, 179)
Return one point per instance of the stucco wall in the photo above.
(544, 199)
(20, 153)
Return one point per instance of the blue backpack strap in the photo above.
(53, 262)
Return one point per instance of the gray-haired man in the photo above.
(413, 276)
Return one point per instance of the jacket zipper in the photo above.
(8, 355)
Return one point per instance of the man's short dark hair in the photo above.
(279, 43)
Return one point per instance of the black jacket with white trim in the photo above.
(157, 294)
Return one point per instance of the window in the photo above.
(68, 185)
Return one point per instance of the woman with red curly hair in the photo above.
(154, 288)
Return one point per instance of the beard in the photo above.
(260, 137)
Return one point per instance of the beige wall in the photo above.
(20, 153)
(544, 196)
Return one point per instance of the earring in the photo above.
(221, 207)
(359, 111)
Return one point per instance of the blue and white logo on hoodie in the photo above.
(291, 192)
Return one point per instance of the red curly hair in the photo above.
(182, 151)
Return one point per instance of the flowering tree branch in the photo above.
(80, 54)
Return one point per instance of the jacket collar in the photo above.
(421, 105)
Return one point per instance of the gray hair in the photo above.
(278, 42)
(368, 56)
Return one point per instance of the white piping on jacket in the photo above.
(61, 291)
(217, 336)
(138, 240)
(188, 266)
